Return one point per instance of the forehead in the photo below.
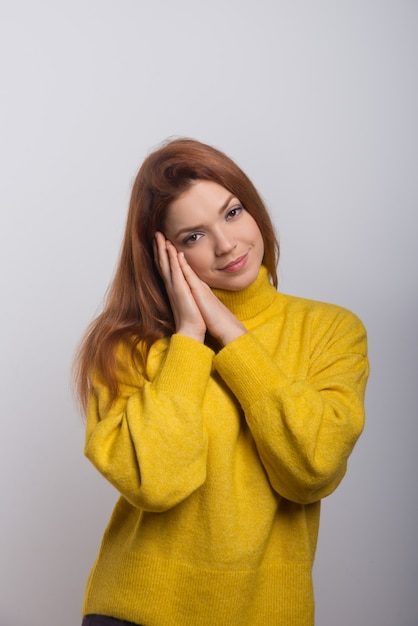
(203, 198)
(202, 191)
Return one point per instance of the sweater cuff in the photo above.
(249, 370)
(187, 366)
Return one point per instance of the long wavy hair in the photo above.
(136, 308)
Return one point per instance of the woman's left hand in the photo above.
(220, 321)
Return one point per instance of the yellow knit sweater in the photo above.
(221, 458)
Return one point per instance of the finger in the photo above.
(160, 252)
(176, 285)
(189, 274)
(173, 257)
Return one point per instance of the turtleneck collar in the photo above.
(249, 302)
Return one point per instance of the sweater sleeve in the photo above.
(304, 429)
(150, 442)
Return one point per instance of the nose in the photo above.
(224, 242)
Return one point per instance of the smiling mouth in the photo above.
(236, 265)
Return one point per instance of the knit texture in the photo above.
(221, 458)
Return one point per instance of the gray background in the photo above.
(317, 101)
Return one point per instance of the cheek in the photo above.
(261, 243)
(195, 261)
(257, 236)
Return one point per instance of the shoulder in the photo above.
(315, 308)
(328, 323)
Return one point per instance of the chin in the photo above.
(237, 283)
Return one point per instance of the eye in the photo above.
(234, 212)
(193, 238)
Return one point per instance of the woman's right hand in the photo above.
(187, 317)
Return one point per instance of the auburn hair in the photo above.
(136, 307)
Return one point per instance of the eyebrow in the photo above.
(188, 229)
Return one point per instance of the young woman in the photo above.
(221, 410)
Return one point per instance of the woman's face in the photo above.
(220, 240)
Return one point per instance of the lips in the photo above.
(237, 264)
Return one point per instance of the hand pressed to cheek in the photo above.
(187, 317)
(220, 321)
(195, 307)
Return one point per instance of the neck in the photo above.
(249, 302)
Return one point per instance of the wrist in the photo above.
(228, 335)
(192, 333)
